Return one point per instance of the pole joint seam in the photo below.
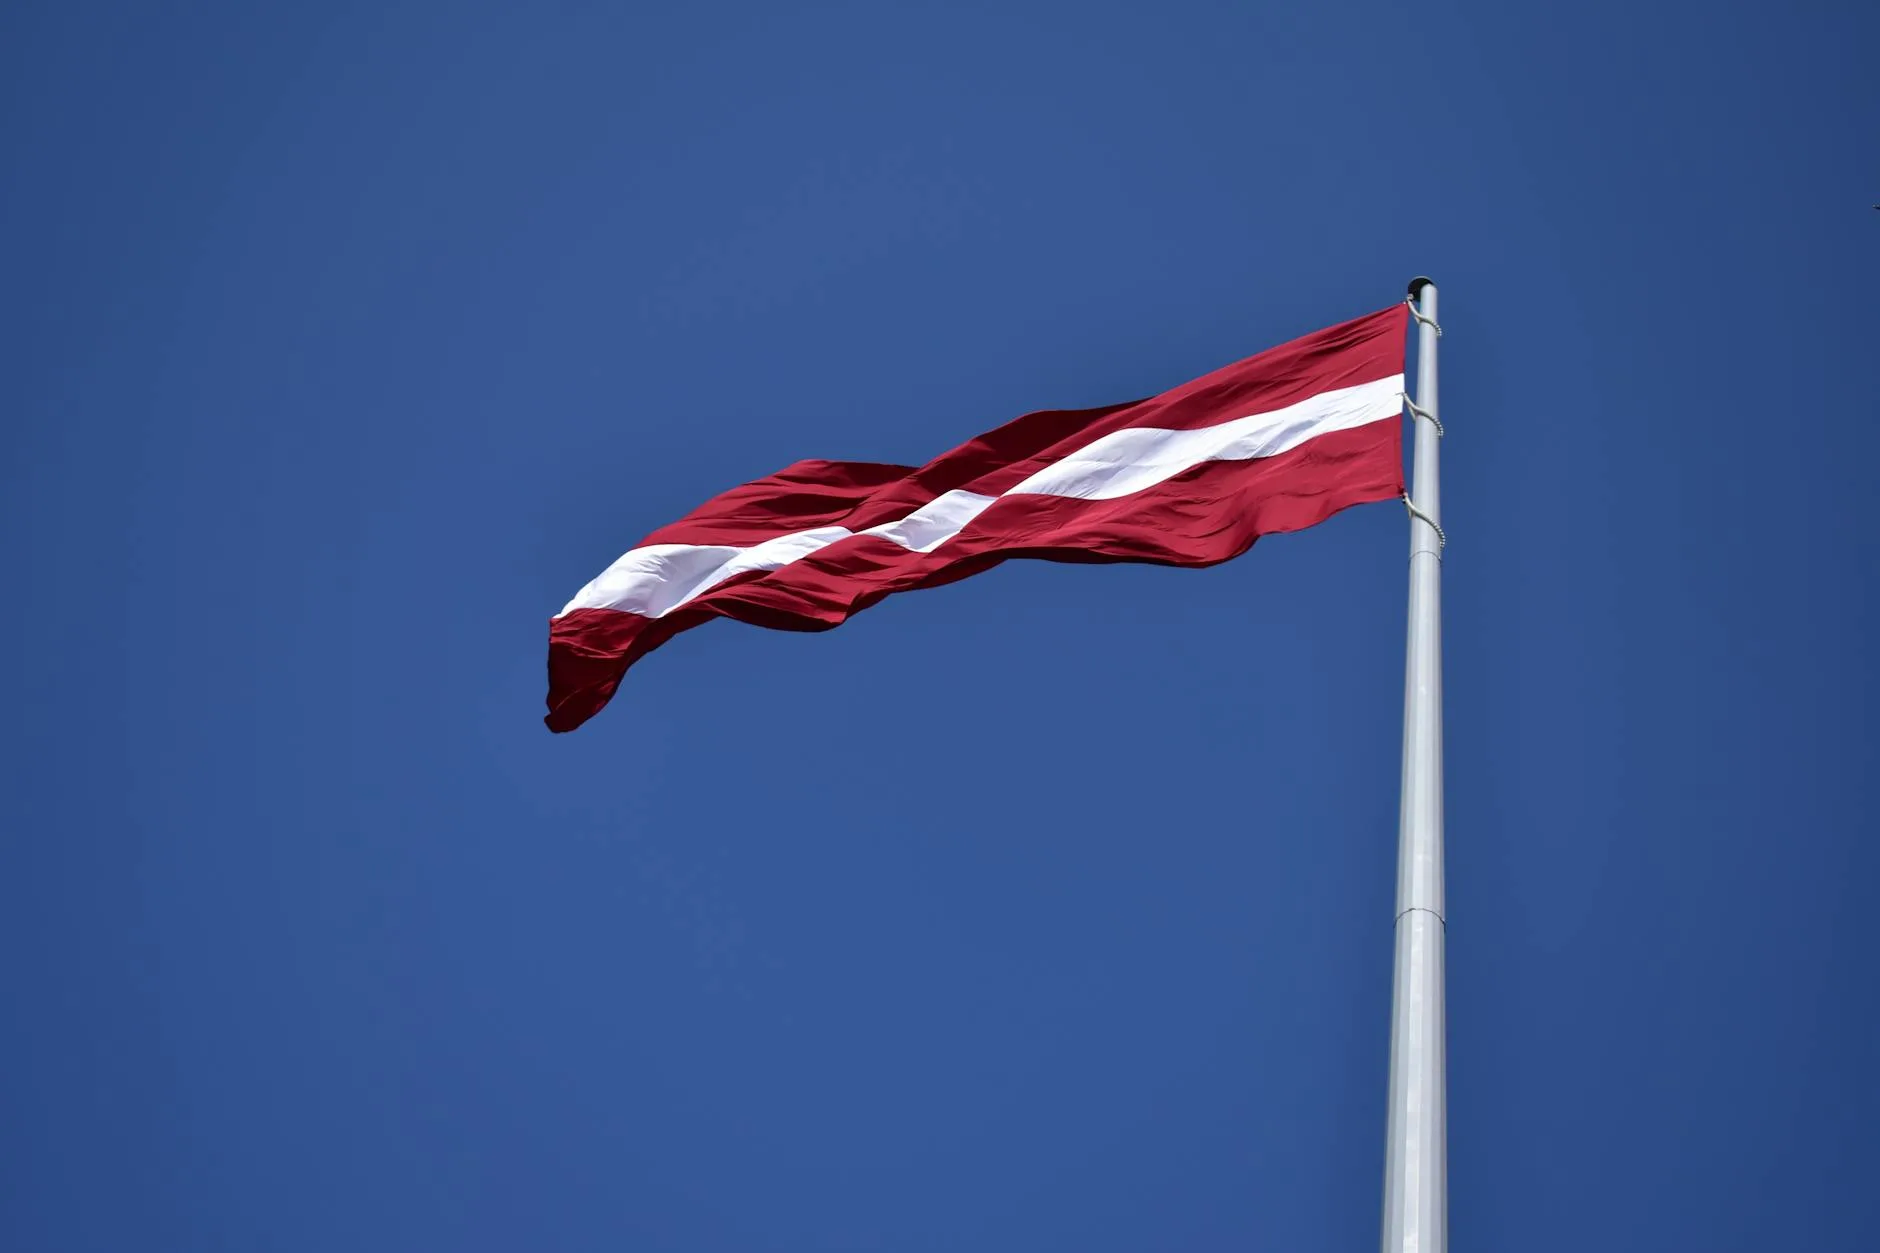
(1442, 541)
(1421, 909)
(1423, 317)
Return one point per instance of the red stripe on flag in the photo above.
(858, 494)
(1203, 516)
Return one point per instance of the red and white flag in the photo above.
(1192, 477)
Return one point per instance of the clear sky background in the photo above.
(1051, 910)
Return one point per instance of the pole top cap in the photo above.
(1417, 285)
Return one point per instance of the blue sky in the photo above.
(1051, 910)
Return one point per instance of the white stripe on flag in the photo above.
(655, 580)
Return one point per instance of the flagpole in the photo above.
(1416, 1168)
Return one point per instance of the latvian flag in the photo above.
(1188, 478)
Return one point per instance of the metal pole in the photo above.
(1416, 1167)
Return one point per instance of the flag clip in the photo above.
(1418, 411)
(1442, 541)
(1422, 317)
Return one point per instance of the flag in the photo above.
(1191, 477)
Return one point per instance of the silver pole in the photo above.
(1416, 1167)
